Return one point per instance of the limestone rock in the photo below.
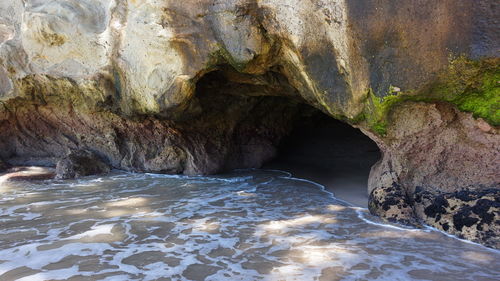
(79, 164)
(472, 215)
(392, 204)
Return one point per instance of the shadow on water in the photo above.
(247, 225)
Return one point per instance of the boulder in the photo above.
(79, 164)
(392, 204)
(469, 214)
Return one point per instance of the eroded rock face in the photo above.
(436, 146)
(197, 87)
(217, 131)
(442, 151)
(146, 55)
(79, 164)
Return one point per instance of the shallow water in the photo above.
(247, 225)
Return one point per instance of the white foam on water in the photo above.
(362, 213)
(430, 228)
(247, 225)
(95, 230)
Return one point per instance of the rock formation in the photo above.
(392, 204)
(79, 164)
(473, 215)
(198, 87)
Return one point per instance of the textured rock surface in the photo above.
(218, 132)
(144, 56)
(473, 215)
(442, 150)
(436, 146)
(391, 203)
(79, 164)
(200, 86)
(468, 214)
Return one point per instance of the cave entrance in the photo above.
(330, 152)
(262, 121)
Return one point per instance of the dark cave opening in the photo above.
(330, 152)
(252, 121)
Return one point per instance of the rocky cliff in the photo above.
(201, 86)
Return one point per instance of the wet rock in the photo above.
(469, 214)
(79, 164)
(33, 161)
(392, 204)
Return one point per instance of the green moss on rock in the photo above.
(472, 86)
(483, 101)
(377, 109)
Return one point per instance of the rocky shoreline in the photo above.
(209, 86)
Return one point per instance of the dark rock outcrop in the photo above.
(469, 214)
(79, 164)
(392, 204)
(472, 215)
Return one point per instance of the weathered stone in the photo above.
(79, 164)
(437, 146)
(153, 51)
(472, 215)
(392, 204)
